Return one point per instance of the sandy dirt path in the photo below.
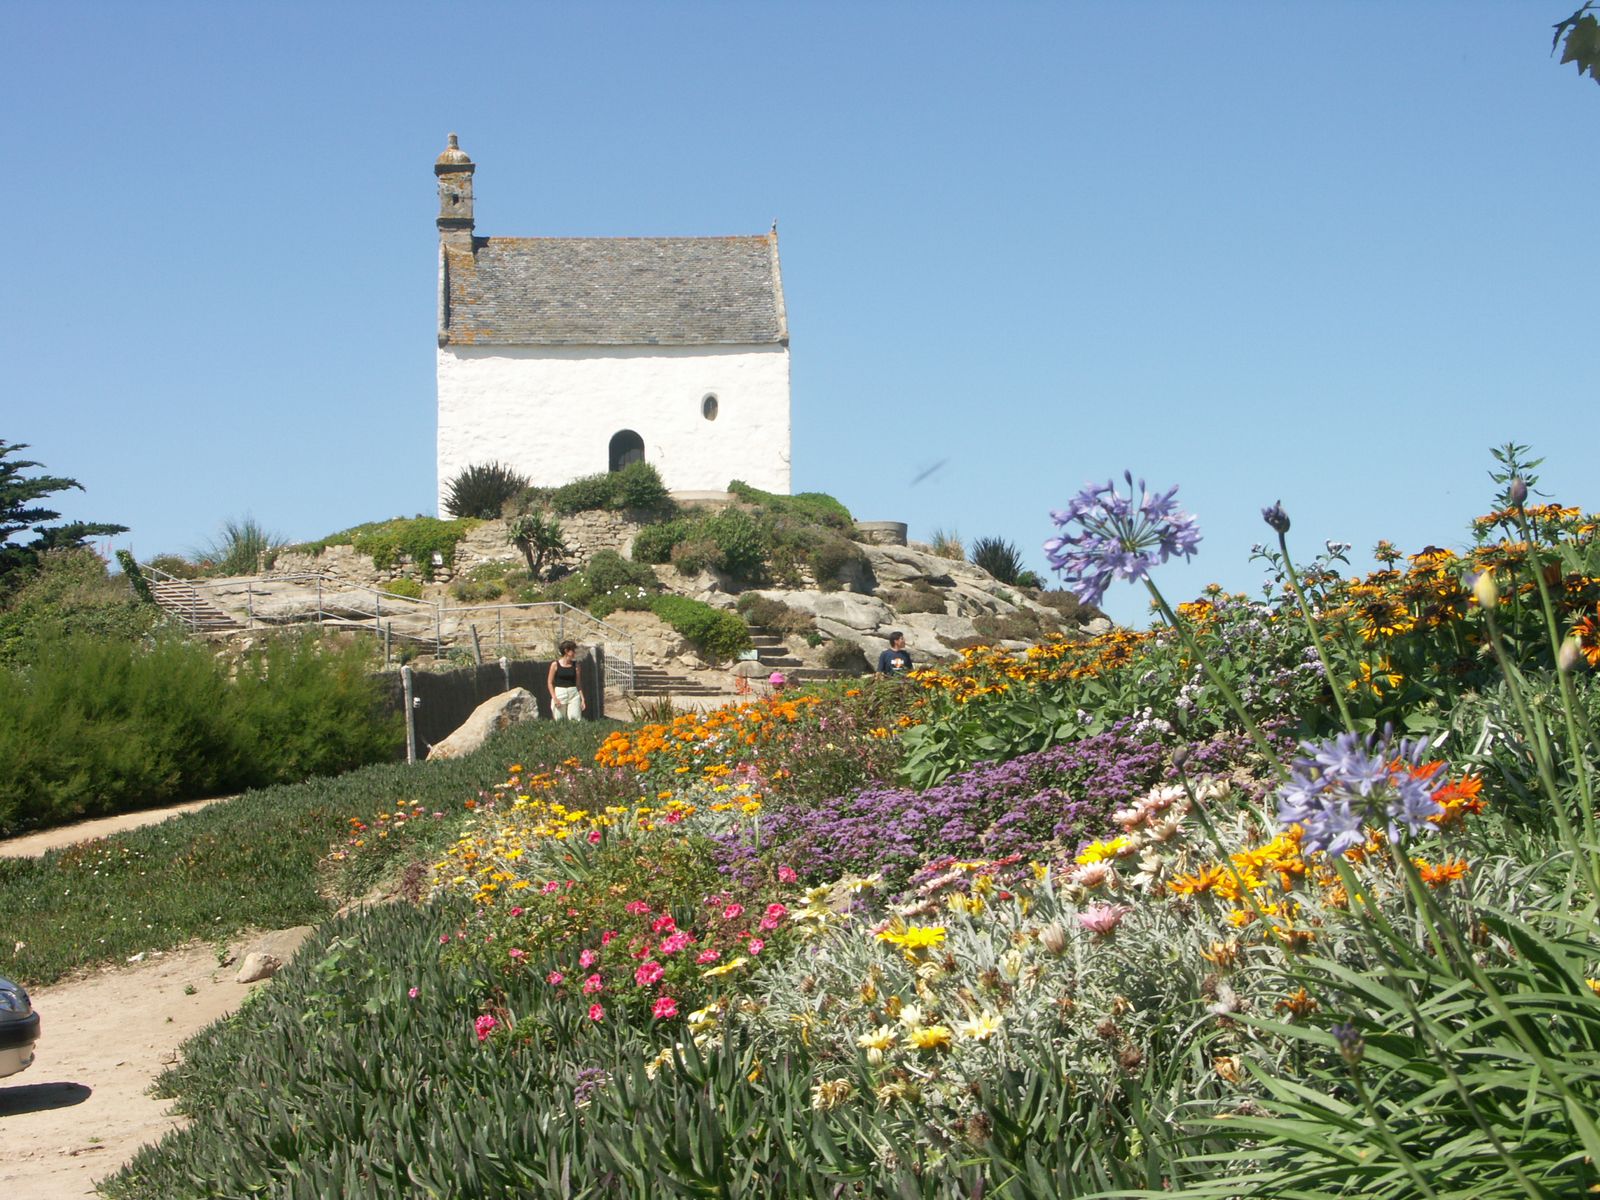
(81, 1110)
(33, 845)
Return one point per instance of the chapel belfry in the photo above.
(454, 170)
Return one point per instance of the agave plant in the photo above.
(482, 490)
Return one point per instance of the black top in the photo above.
(566, 676)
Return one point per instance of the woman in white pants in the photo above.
(565, 682)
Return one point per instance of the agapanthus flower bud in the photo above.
(1351, 1044)
(1180, 756)
(1570, 656)
(1485, 591)
(1517, 493)
(1276, 517)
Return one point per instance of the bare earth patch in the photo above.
(81, 1110)
(35, 845)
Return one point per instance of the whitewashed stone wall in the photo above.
(551, 411)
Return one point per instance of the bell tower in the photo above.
(454, 170)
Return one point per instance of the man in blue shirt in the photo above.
(896, 660)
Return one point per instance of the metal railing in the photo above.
(323, 600)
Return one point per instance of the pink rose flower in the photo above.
(636, 907)
(555, 978)
(663, 924)
(733, 912)
(787, 875)
(517, 912)
(484, 1026)
(550, 887)
(597, 1013)
(777, 912)
(666, 1008)
(517, 954)
(444, 939)
(593, 985)
(1103, 919)
(757, 945)
(605, 938)
(413, 993)
(767, 924)
(588, 958)
(706, 956)
(648, 973)
(594, 837)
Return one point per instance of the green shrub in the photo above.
(696, 554)
(814, 507)
(654, 543)
(843, 654)
(584, 494)
(1030, 579)
(716, 634)
(484, 582)
(404, 586)
(740, 539)
(775, 615)
(1023, 625)
(608, 570)
(638, 486)
(99, 726)
(418, 538)
(482, 491)
(1067, 604)
(175, 565)
(831, 557)
(998, 557)
(69, 592)
(915, 600)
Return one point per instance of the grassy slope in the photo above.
(250, 862)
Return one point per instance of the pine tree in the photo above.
(20, 512)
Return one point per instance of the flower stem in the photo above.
(1335, 684)
(1181, 628)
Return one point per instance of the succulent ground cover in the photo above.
(1286, 896)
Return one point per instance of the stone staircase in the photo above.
(654, 681)
(180, 598)
(774, 656)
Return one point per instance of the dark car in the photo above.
(19, 1029)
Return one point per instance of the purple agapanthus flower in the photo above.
(1106, 536)
(1348, 782)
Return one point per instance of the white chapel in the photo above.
(563, 357)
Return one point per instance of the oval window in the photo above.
(708, 407)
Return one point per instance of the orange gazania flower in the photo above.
(1587, 631)
(1297, 1003)
(1437, 875)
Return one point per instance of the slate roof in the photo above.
(680, 291)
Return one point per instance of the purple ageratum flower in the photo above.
(1348, 782)
(1107, 536)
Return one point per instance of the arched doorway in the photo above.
(626, 447)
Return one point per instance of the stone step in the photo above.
(778, 660)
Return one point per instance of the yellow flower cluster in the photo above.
(486, 858)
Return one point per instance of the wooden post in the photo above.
(505, 670)
(411, 714)
(477, 649)
(388, 636)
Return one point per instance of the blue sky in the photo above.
(1329, 253)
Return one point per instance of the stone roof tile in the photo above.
(613, 291)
